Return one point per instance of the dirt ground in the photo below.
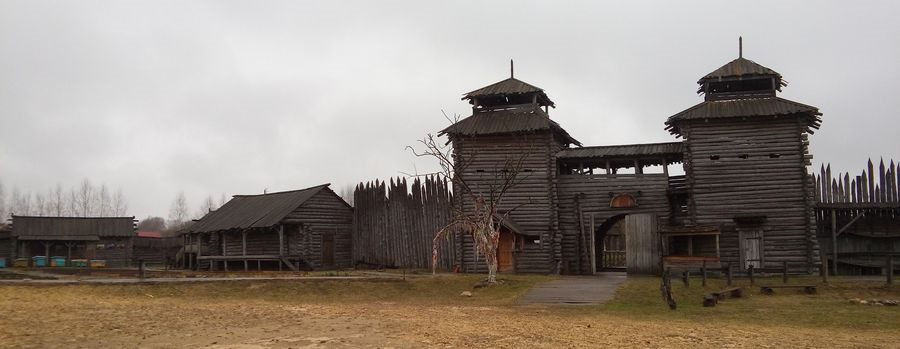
(279, 315)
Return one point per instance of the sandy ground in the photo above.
(78, 317)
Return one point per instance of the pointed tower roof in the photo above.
(739, 68)
(509, 87)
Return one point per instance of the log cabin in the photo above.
(301, 229)
(745, 198)
(106, 239)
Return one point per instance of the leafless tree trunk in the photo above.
(119, 205)
(178, 212)
(104, 203)
(40, 205)
(58, 201)
(207, 206)
(85, 198)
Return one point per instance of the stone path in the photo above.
(576, 290)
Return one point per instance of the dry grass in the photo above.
(428, 311)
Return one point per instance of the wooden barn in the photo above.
(108, 239)
(155, 248)
(745, 198)
(308, 229)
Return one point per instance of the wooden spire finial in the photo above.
(511, 70)
(740, 47)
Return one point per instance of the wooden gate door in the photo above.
(641, 244)
(327, 250)
(751, 248)
(505, 251)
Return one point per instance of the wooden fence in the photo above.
(868, 188)
(395, 223)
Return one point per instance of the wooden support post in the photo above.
(686, 278)
(244, 247)
(784, 271)
(68, 254)
(834, 248)
(750, 274)
(637, 167)
(890, 270)
(199, 249)
(141, 268)
(824, 267)
(608, 168)
(728, 277)
(47, 254)
(703, 273)
(258, 265)
(280, 245)
(224, 249)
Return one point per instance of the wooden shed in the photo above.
(308, 228)
(94, 238)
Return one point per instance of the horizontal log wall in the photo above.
(742, 168)
(395, 223)
(594, 191)
(115, 256)
(531, 202)
(324, 213)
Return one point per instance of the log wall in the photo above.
(754, 168)
(396, 222)
(324, 213)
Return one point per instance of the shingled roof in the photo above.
(740, 67)
(754, 107)
(71, 228)
(511, 86)
(522, 120)
(254, 211)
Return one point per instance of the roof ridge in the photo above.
(319, 187)
(73, 217)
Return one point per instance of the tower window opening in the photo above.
(714, 157)
(774, 155)
(743, 156)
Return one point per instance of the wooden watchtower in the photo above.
(510, 122)
(746, 158)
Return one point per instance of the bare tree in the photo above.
(152, 223)
(58, 201)
(347, 192)
(207, 206)
(178, 212)
(40, 207)
(85, 198)
(119, 205)
(476, 211)
(74, 208)
(104, 202)
(222, 200)
(3, 207)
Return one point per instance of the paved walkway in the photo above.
(577, 290)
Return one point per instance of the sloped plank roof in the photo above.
(739, 68)
(624, 150)
(507, 121)
(752, 107)
(506, 87)
(71, 228)
(254, 211)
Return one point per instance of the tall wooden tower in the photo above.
(746, 158)
(510, 121)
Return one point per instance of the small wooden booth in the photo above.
(690, 246)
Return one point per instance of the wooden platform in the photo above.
(575, 290)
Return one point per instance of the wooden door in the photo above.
(327, 250)
(505, 251)
(751, 248)
(641, 244)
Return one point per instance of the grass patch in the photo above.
(640, 298)
(440, 289)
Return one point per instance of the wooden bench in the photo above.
(808, 289)
(711, 299)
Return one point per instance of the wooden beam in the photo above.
(244, 247)
(860, 215)
(834, 252)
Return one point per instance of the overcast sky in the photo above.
(158, 97)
